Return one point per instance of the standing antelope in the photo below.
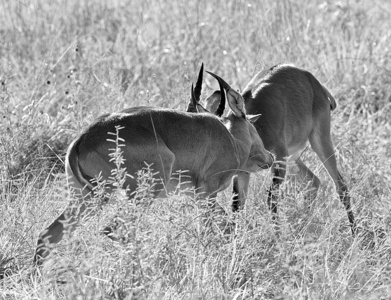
(295, 108)
(210, 149)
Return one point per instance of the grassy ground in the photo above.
(63, 63)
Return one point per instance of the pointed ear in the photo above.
(213, 101)
(236, 103)
(253, 118)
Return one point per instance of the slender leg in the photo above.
(279, 171)
(305, 175)
(240, 189)
(323, 146)
(68, 220)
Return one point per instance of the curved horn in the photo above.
(220, 110)
(198, 86)
(225, 85)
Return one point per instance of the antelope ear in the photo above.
(236, 103)
(253, 118)
(213, 101)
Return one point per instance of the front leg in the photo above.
(279, 171)
(208, 190)
(240, 190)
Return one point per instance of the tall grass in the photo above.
(63, 63)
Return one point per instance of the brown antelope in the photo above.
(295, 108)
(210, 149)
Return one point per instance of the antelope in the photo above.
(211, 149)
(295, 109)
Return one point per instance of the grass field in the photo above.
(63, 63)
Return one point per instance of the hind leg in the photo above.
(68, 220)
(321, 143)
(83, 204)
(309, 179)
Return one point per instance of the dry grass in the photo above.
(65, 62)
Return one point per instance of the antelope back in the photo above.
(289, 100)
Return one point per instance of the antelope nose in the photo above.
(268, 160)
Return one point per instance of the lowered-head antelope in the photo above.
(295, 108)
(211, 150)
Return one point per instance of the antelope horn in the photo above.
(198, 86)
(223, 85)
(193, 98)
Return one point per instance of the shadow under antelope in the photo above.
(295, 108)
